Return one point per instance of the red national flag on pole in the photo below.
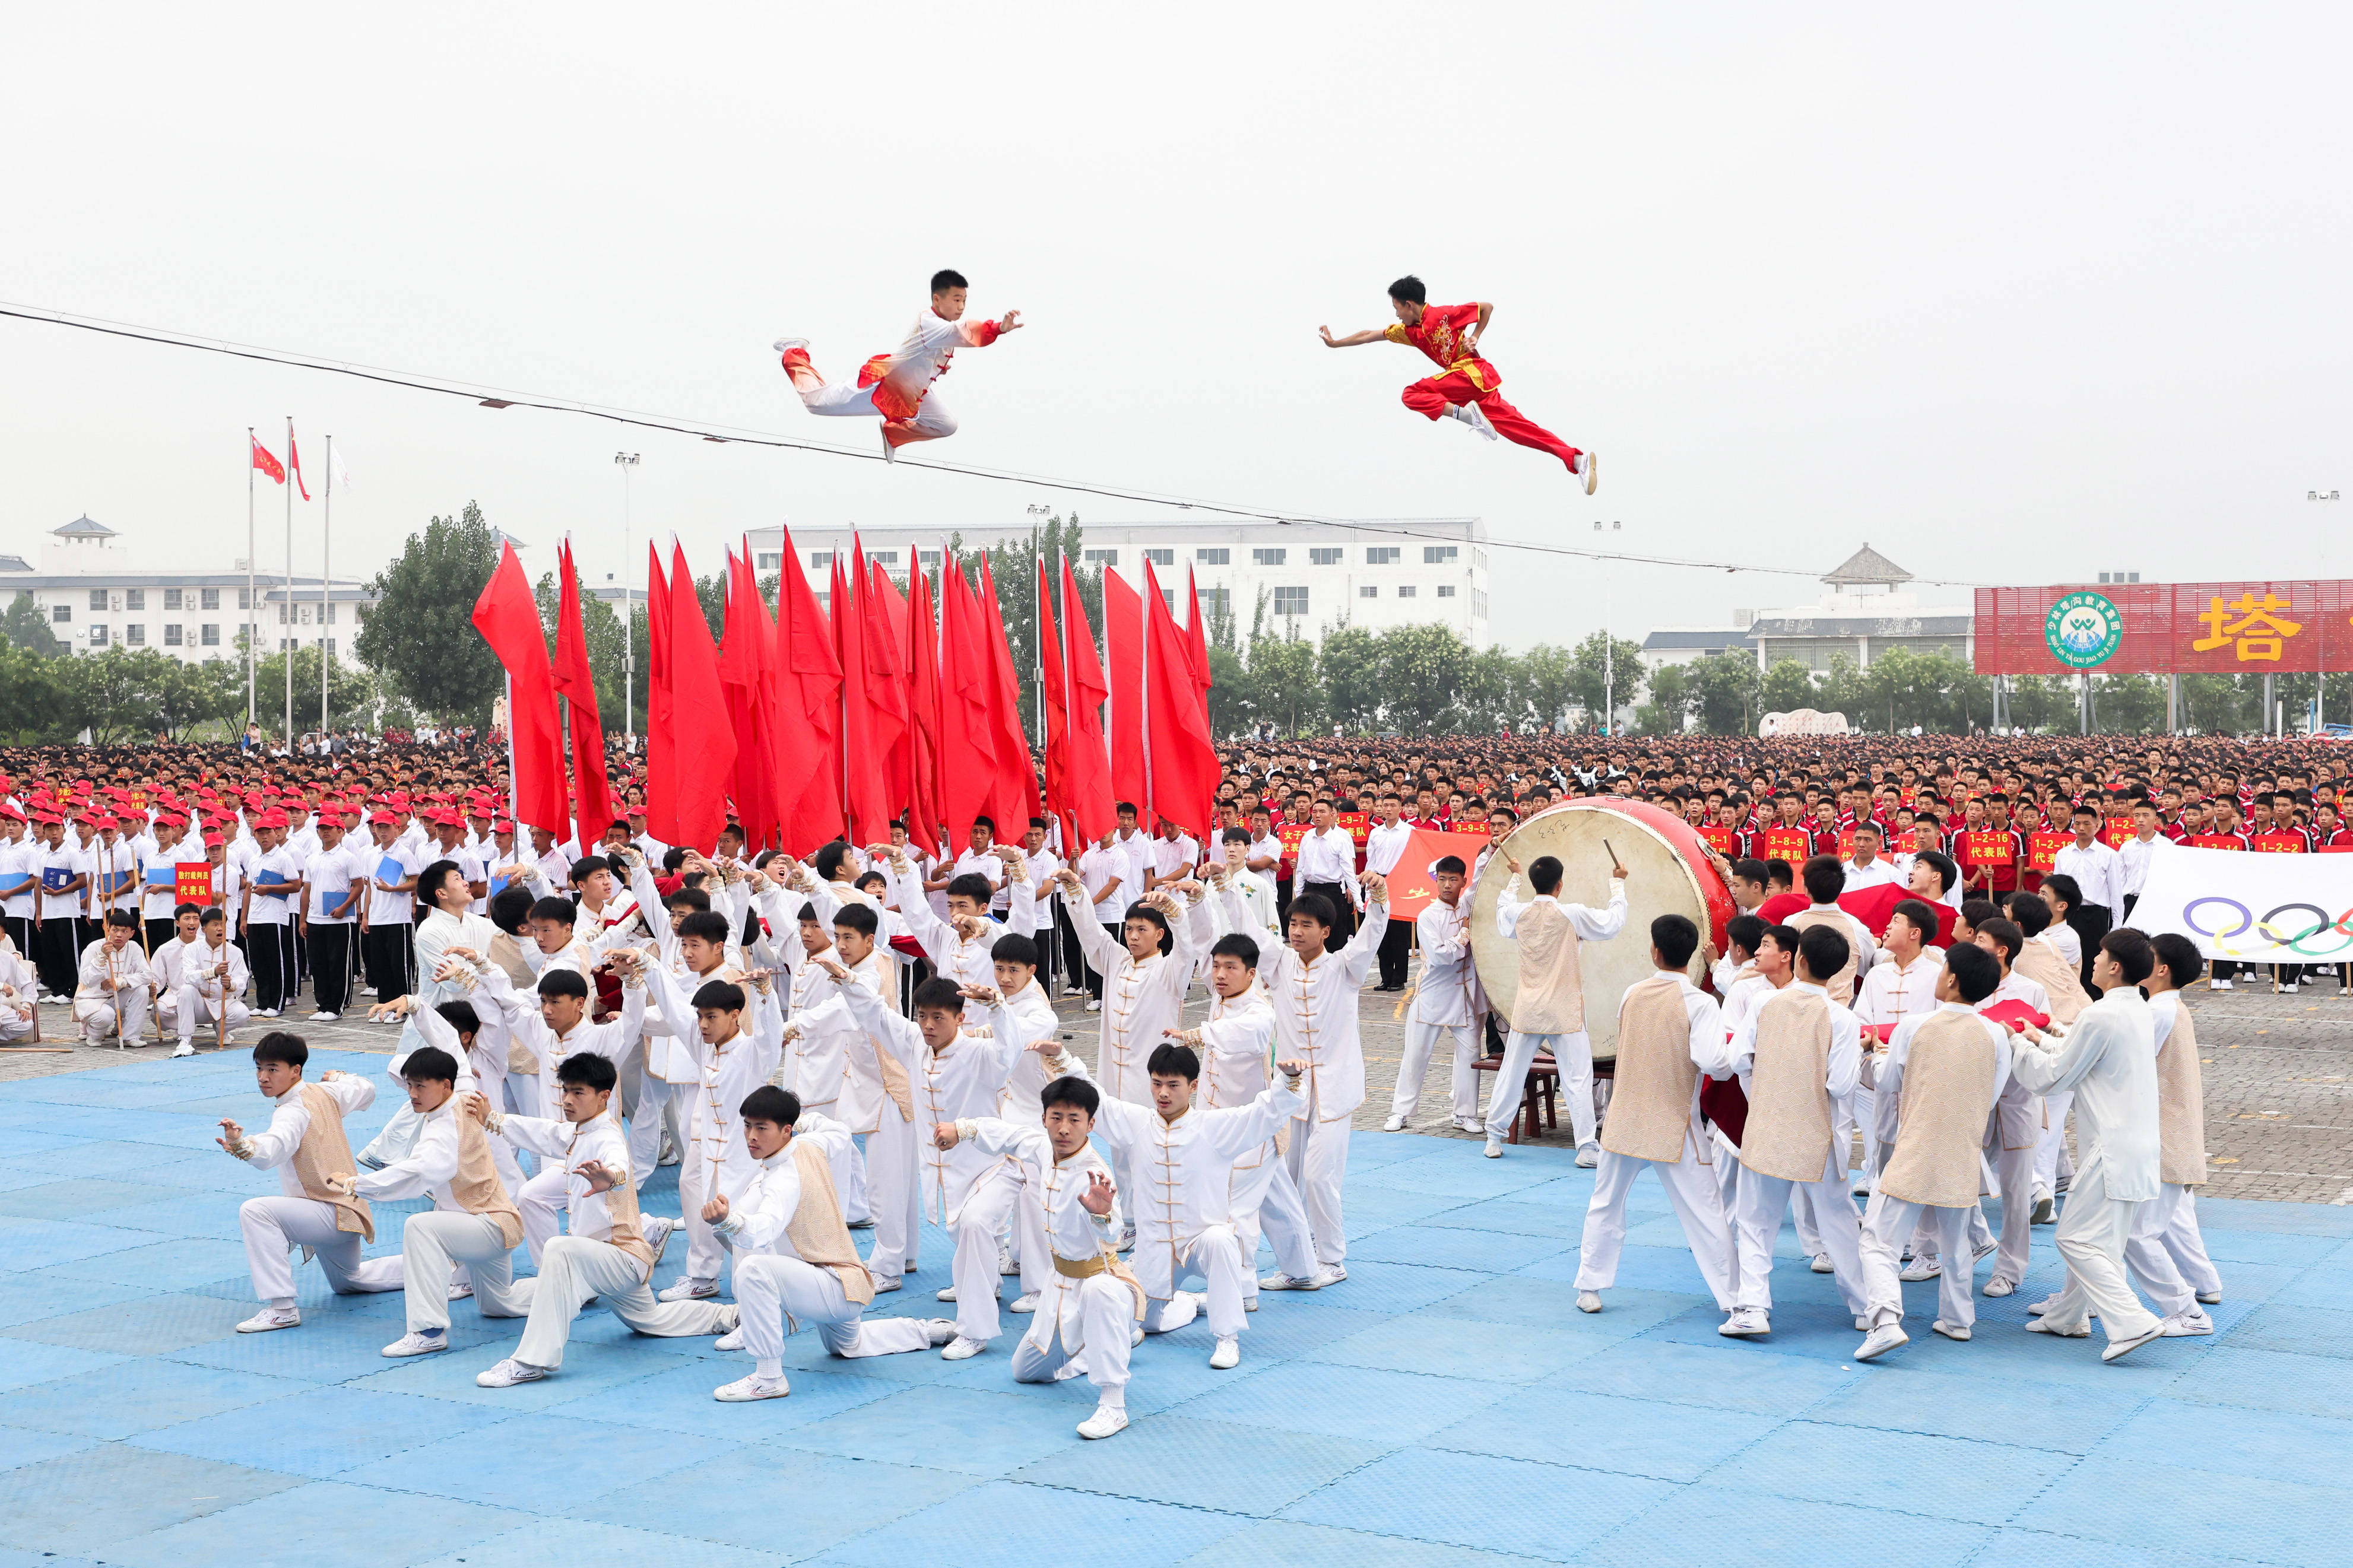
(508, 617)
(923, 713)
(1017, 779)
(577, 686)
(706, 742)
(1130, 775)
(809, 755)
(1090, 801)
(265, 462)
(1184, 758)
(294, 461)
(661, 734)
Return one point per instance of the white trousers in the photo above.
(1463, 1087)
(273, 1226)
(647, 1115)
(1323, 1167)
(1757, 1211)
(188, 1010)
(2014, 1174)
(1267, 1199)
(1214, 1255)
(1106, 1313)
(2092, 1231)
(1863, 1106)
(932, 416)
(541, 1202)
(1698, 1202)
(705, 1253)
(2165, 1253)
(574, 1269)
(991, 1206)
(891, 1171)
(770, 1288)
(97, 1019)
(1574, 1056)
(432, 1241)
(2051, 1148)
(1885, 1222)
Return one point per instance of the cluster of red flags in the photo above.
(807, 721)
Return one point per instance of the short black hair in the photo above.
(278, 1046)
(859, 917)
(1070, 1089)
(2131, 951)
(708, 924)
(432, 879)
(947, 278)
(974, 886)
(563, 983)
(1449, 866)
(1975, 971)
(1173, 1060)
(2029, 910)
(1316, 907)
(807, 915)
(1013, 948)
(940, 994)
(1744, 931)
(1234, 944)
(692, 899)
(510, 907)
(1942, 864)
(1677, 938)
(196, 909)
(1544, 874)
(214, 916)
(1409, 287)
(828, 859)
(1977, 911)
(1824, 950)
(560, 909)
(2179, 955)
(1922, 915)
(461, 1015)
(987, 822)
(585, 868)
(430, 1063)
(2005, 935)
(1141, 911)
(1824, 879)
(122, 918)
(722, 995)
(2070, 891)
(769, 1103)
(589, 1071)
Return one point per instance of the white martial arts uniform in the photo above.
(1778, 1136)
(192, 994)
(707, 1084)
(876, 1099)
(112, 988)
(482, 1232)
(1237, 1040)
(1441, 1002)
(900, 385)
(1571, 1051)
(995, 1202)
(2167, 1254)
(297, 1217)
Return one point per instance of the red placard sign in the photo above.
(2042, 850)
(2279, 843)
(2215, 841)
(1790, 844)
(1987, 847)
(192, 883)
(2117, 830)
(1719, 839)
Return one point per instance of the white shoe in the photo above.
(509, 1373)
(890, 452)
(1094, 1004)
(1495, 1149)
(787, 345)
(2045, 1305)
(265, 1011)
(1469, 1124)
(1588, 1155)
(2287, 987)
(271, 1318)
(745, 1390)
(1983, 1250)
(1584, 471)
(668, 1156)
(1024, 1304)
(325, 1017)
(1820, 1263)
(2044, 1326)
(1278, 1280)
(1469, 414)
(1331, 1274)
(1588, 1300)
(1951, 1330)
(948, 1293)
(689, 1290)
(1880, 1341)
(2218, 985)
(658, 1229)
(2209, 1297)
(1861, 1189)
(460, 1289)
(963, 1349)
(1105, 1423)
(731, 1340)
(1393, 1125)
(1922, 1269)
(2117, 1350)
(886, 1283)
(1006, 1267)
(1998, 1285)
(418, 1344)
(1228, 1355)
(2187, 1325)
(185, 1048)
(1746, 1322)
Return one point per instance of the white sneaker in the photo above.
(2187, 1325)
(1861, 1189)
(1025, 1305)
(1922, 1269)
(2209, 1297)
(886, 1283)
(1880, 1341)
(1228, 1355)
(731, 1340)
(1393, 1125)
(2287, 987)
(185, 1048)
(963, 1349)
(1998, 1285)
(689, 1290)
(947, 1293)
(745, 1390)
(1588, 1155)
(1983, 1250)
(1471, 415)
(1105, 1422)
(1951, 1330)
(265, 1011)
(1094, 1004)
(668, 1156)
(1006, 1267)
(1744, 1323)
(1820, 1263)
(2044, 1326)
(509, 1373)
(461, 1288)
(2218, 985)
(1278, 1280)
(271, 1318)
(2118, 1349)
(1584, 471)
(1469, 1124)
(1495, 1149)
(325, 1017)
(418, 1344)
(1588, 1300)
(658, 1229)
(2045, 1305)
(1331, 1274)
(787, 345)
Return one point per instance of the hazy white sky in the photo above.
(2021, 293)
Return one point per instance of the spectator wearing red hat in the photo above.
(20, 870)
(386, 954)
(336, 879)
(65, 871)
(273, 905)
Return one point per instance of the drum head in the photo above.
(1668, 871)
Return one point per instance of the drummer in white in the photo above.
(1549, 1012)
(1441, 1001)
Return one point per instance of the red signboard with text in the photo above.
(2300, 625)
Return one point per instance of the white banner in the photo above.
(2252, 906)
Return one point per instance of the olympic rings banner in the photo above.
(2265, 909)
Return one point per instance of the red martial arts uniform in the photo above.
(1461, 380)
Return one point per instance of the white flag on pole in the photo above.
(341, 475)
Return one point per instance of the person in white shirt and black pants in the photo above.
(334, 881)
(1384, 847)
(2099, 873)
(1327, 865)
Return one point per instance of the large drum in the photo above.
(1668, 872)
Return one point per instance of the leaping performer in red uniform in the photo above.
(1465, 385)
(898, 385)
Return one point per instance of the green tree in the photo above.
(1349, 666)
(1844, 689)
(1283, 679)
(118, 696)
(1489, 699)
(2217, 704)
(1670, 699)
(421, 634)
(348, 689)
(1786, 687)
(2037, 702)
(29, 707)
(24, 625)
(2131, 704)
(1622, 666)
(1420, 668)
(1721, 690)
(1547, 685)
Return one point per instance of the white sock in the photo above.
(1114, 1397)
(770, 1367)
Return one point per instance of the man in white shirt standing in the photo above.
(1866, 867)
(1383, 844)
(1549, 1012)
(1107, 869)
(335, 882)
(2099, 872)
(1442, 1001)
(2132, 860)
(1327, 865)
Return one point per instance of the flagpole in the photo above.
(249, 549)
(289, 640)
(326, 557)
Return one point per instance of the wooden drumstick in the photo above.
(1615, 869)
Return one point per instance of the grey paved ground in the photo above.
(2279, 1116)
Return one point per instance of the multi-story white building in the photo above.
(98, 593)
(1374, 573)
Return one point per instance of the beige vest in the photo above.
(2043, 964)
(818, 1231)
(1839, 985)
(629, 1234)
(476, 1187)
(1650, 1102)
(1551, 998)
(1949, 1089)
(323, 1152)
(1788, 1130)
(508, 955)
(2180, 1107)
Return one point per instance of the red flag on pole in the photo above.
(661, 736)
(862, 786)
(1016, 777)
(706, 744)
(577, 686)
(265, 462)
(1057, 710)
(294, 461)
(887, 687)
(923, 713)
(1184, 757)
(1131, 773)
(809, 772)
(508, 617)
(743, 678)
(1197, 643)
(1090, 800)
(967, 735)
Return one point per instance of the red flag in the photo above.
(888, 698)
(1184, 758)
(577, 686)
(294, 461)
(1016, 777)
(661, 734)
(705, 740)
(862, 782)
(265, 462)
(1090, 803)
(1056, 691)
(1875, 906)
(923, 713)
(967, 736)
(809, 755)
(1130, 778)
(744, 656)
(1197, 643)
(508, 617)
(1411, 887)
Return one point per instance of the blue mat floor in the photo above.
(1445, 1405)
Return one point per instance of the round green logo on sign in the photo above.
(2083, 629)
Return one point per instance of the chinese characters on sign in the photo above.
(2295, 627)
(2259, 618)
